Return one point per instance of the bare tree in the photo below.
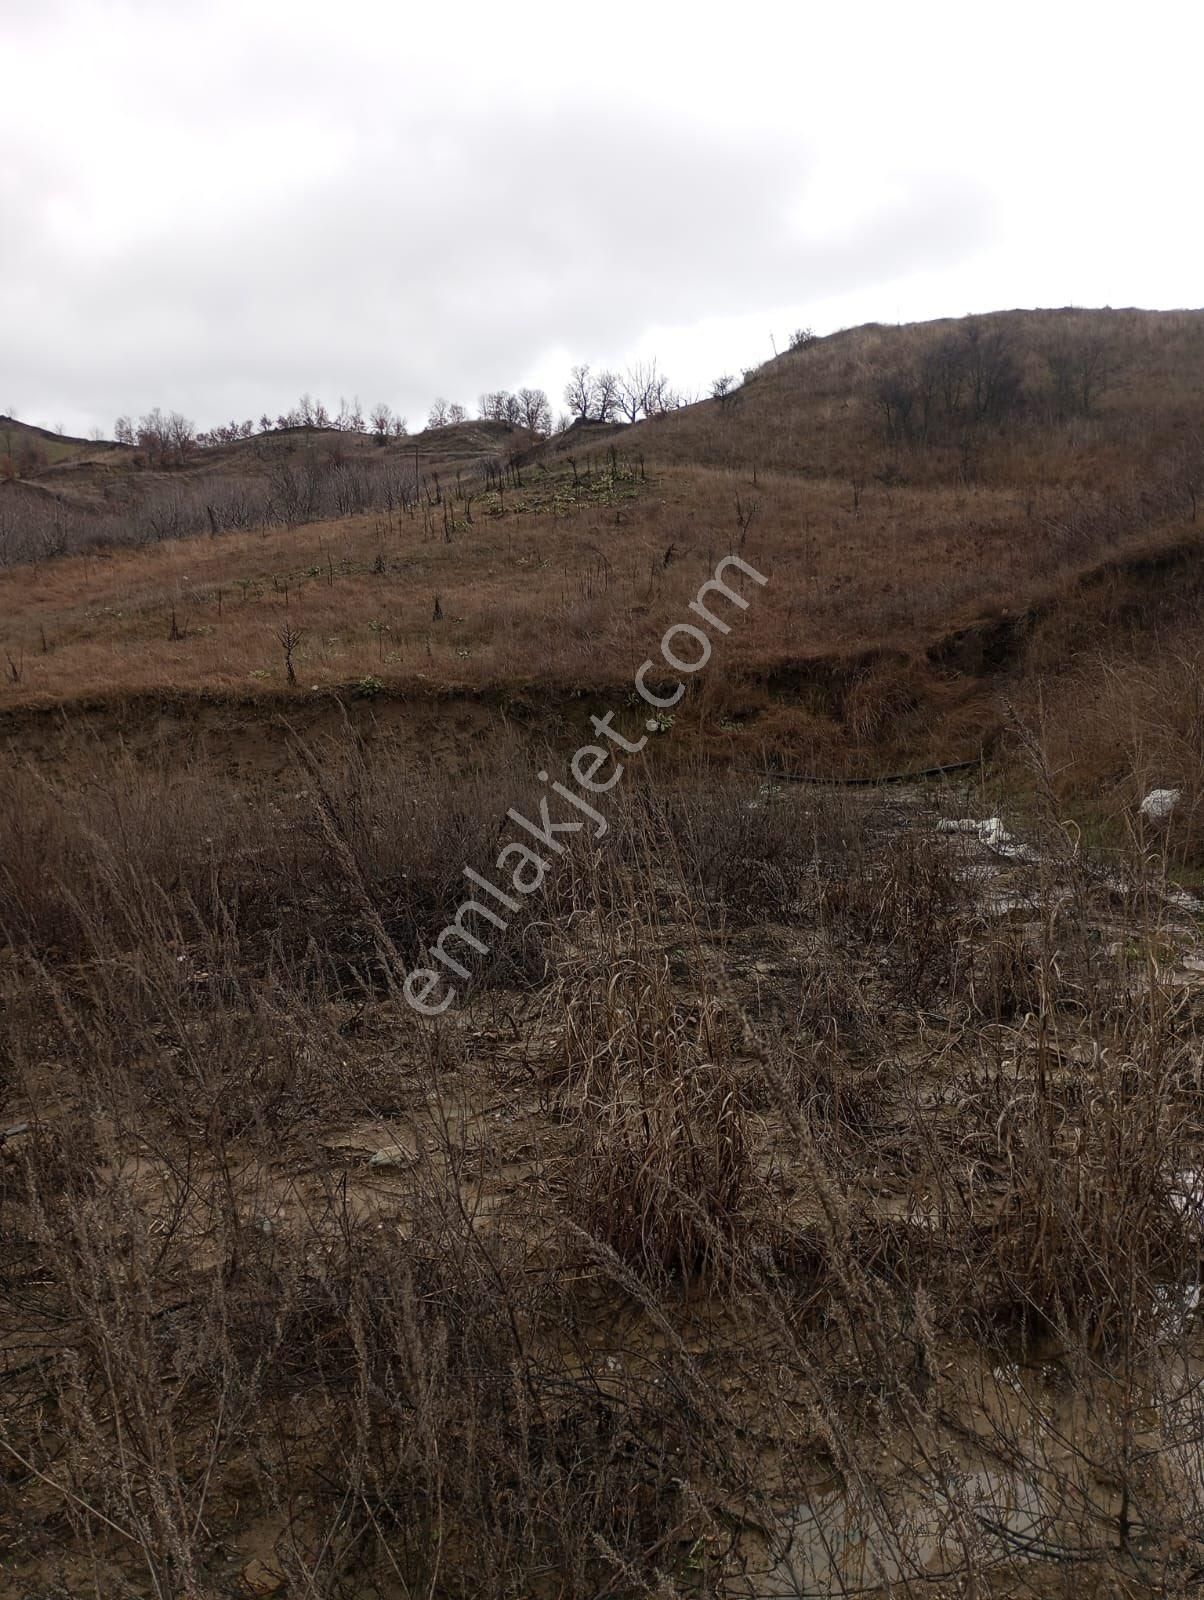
(644, 391)
(456, 413)
(579, 393)
(438, 417)
(605, 396)
(165, 437)
(534, 411)
(1081, 369)
(351, 417)
(151, 435)
(895, 396)
(123, 431)
(381, 420)
(661, 397)
(501, 406)
(181, 434)
(996, 382)
(633, 391)
(722, 387)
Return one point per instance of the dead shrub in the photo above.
(661, 1175)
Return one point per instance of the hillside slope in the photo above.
(1025, 397)
(937, 508)
(27, 451)
(101, 495)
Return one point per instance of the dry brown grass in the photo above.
(811, 410)
(536, 596)
(674, 1241)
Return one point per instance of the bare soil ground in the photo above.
(807, 1201)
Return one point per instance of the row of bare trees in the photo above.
(349, 418)
(529, 408)
(168, 438)
(165, 437)
(589, 396)
(606, 396)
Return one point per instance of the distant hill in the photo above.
(58, 495)
(30, 449)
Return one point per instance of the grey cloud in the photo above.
(437, 257)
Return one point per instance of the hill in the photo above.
(108, 495)
(28, 451)
(1077, 397)
(950, 515)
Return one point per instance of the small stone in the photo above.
(258, 1579)
(393, 1155)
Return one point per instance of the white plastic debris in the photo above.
(1159, 803)
(991, 832)
(989, 829)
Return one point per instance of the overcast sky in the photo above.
(213, 206)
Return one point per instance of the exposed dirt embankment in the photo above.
(842, 713)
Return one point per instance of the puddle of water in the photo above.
(991, 832)
(833, 1546)
(1045, 1503)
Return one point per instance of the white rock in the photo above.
(1159, 803)
(393, 1155)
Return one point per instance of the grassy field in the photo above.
(543, 584)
